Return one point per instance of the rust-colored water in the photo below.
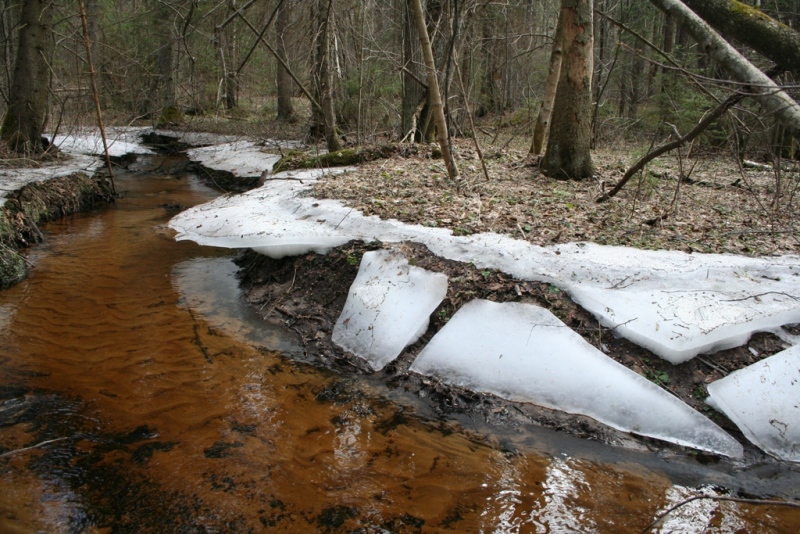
(131, 352)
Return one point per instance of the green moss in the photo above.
(170, 116)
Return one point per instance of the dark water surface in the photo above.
(171, 409)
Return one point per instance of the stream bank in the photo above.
(38, 202)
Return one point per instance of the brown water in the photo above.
(133, 354)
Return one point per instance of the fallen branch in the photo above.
(704, 123)
(658, 520)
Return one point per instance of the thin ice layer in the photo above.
(388, 307)
(524, 353)
(764, 402)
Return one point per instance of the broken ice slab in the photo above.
(388, 307)
(764, 402)
(259, 219)
(524, 353)
(243, 159)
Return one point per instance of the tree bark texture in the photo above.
(325, 74)
(435, 96)
(769, 96)
(752, 27)
(415, 111)
(284, 82)
(549, 97)
(568, 154)
(24, 121)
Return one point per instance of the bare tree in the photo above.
(435, 94)
(283, 84)
(568, 152)
(769, 96)
(549, 97)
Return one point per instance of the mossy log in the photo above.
(341, 158)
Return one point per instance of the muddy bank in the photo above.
(39, 202)
(307, 293)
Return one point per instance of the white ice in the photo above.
(241, 158)
(675, 304)
(388, 307)
(524, 353)
(260, 220)
(764, 402)
(120, 141)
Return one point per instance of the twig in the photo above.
(42, 444)
(761, 502)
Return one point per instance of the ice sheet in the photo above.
(240, 158)
(259, 220)
(764, 402)
(524, 353)
(675, 304)
(120, 141)
(388, 307)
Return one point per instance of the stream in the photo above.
(138, 393)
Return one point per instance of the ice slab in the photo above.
(524, 353)
(675, 304)
(14, 179)
(388, 307)
(764, 402)
(240, 158)
(259, 220)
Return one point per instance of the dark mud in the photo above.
(307, 293)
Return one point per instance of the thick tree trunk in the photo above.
(27, 108)
(284, 82)
(435, 96)
(769, 96)
(549, 97)
(568, 152)
(752, 27)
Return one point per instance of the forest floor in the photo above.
(718, 207)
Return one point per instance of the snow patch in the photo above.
(764, 402)
(240, 158)
(388, 307)
(524, 353)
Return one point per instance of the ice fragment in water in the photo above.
(764, 402)
(388, 307)
(524, 353)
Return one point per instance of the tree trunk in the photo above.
(750, 26)
(553, 74)
(164, 85)
(769, 96)
(435, 96)
(568, 152)
(325, 74)
(284, 82)
(413, 116)
(24, 121)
